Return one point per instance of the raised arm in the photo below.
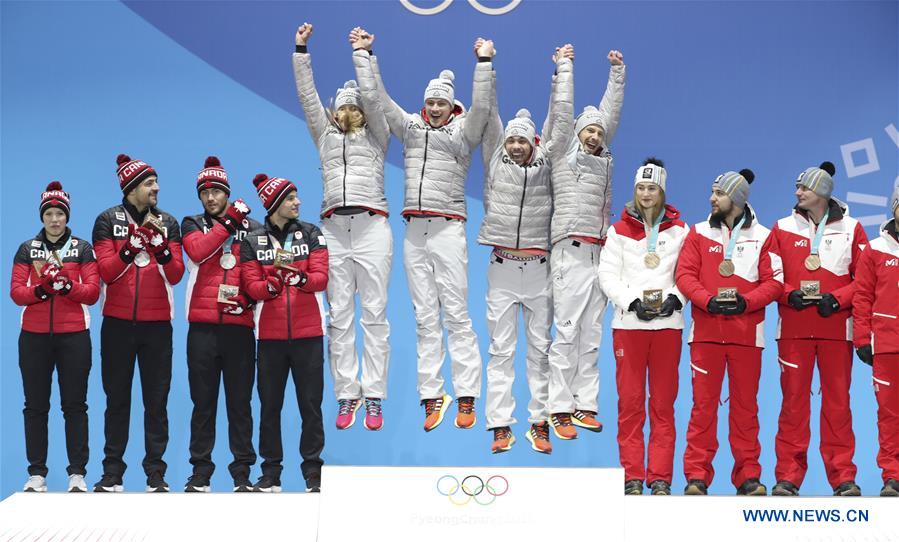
(562, 108)
(370, 74)
(371, 100)
(316, 116)
(476, 117)
(613, 98)
(566, 51)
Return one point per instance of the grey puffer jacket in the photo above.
(436, 159)
(582, 183)
(352, 165)
(518, 200)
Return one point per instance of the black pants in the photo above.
(151, 343)
(303, 358)
(216, 353)
(70, 354)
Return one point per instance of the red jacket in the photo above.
(297, 311)
(875, 307)
(55, 313)
(841, 247)
(203, 240)
(141, 294)
(758, 278)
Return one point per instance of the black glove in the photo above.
(643, 311)
(828, 305)
(671, 304)
(866, 354)
(728, 309)
(798, 302)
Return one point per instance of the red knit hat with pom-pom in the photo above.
(213, 175)
(272, 190)
(132, 172)
(53, 196)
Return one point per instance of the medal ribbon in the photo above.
(819, 232)
(288, 242)
(654, 233)
(62, 254)
(734, 235)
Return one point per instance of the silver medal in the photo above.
(228, 261)
(142, 259)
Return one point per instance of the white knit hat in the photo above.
(589, 116)
(652, 171)
(521, 126)
(442, 87)
(348, 95)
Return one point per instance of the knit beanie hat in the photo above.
(53, 196)
(442, 88)
(132, 172)
(735, 185)
(589, 116)
(348, 95)
(818, 179)
(652, 171)
(521, 126)
(272, 190)
(213, 175)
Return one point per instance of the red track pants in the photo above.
(743, 365)
(797, 365)
(637, 352)
(886, 388)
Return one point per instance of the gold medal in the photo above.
(813, 262)
(652, 260)
(726, 268)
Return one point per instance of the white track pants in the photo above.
(435, 254)
(578, 308)
(360, 252)
(512, 284)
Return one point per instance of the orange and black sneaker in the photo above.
(562, 426)
(503, 439)
(587, 420)
(538, 436)
(465, 417)
(434, 411)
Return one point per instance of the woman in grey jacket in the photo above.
(438, 143)
(352, 141)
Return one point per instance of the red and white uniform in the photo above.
(803, 336)
(731, 344)
(641, 347)
(876, 323)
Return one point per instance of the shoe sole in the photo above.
(760, 491)
(352, 417)
(782, 493)
(559, 436)
(661, 493)
(77, 490)
(889, 493)
(850, 493)
(588, 427)
(109, 489)
(473, 422)
(274, 489)
(446, 403)
(694, 491)
(534, 446)
(156, 490)
(196, 489)
(33, 490)
(505, 448)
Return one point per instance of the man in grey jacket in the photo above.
(438, 142)
(352, 141)
(582, 196)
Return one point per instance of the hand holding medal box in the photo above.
(653, 299)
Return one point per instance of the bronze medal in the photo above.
(652, 260)
(726, 268)
(813, 262)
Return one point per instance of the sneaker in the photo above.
(35, 484)
(660, 487)
(587, 420)
(267, 484)
(890, 488)
(76, 484)
(696, 487)
(346, 412)
(156, 483)
(314, 485)
(847, 489)
(784, 488)
(538, 436)
(374, 421)
(753, 488)
(633, 487)
(243, 485)
(197, 484)
(465, 417)
(503, 439)
(434, 411)
(562, 426)
(109, 484)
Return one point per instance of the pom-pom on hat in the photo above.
(348, 95)
(213, 175)
(521, 126)
(132, 172)
(818, 179)
(652, 171)
(735, 185)
(272, 190)
(442, 88)
(53, 196)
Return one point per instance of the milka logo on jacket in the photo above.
(269, 254)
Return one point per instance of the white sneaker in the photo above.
(35, 484)
(76, 484)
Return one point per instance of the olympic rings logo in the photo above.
(472, 488)
(474, 3)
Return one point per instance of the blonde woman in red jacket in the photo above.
(55, 279)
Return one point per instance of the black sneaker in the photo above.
(109, 484)
(847, 489)
(197, 483)
(156, 483)
(633, 487)
(753, 488)
(784, 488)
(696, 487)
(660, 487)
(314, 485)
(890, 488)
(243, 485)
(267, 484)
